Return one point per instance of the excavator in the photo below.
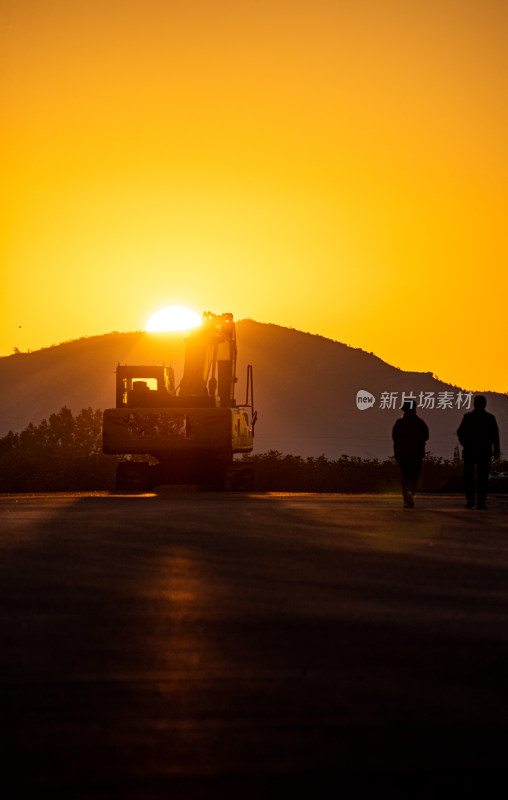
(186, 434)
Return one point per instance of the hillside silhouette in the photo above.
(305, 388)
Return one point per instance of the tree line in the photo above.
(276, 472)
(64, 453)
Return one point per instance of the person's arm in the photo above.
(395, 431)
(426, 431)
(495, 438)
(461, 431)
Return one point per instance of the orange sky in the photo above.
(338, 167)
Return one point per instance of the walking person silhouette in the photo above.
(409, 435)
(479, 436)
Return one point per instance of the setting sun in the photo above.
(173, 318)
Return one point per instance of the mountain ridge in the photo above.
(305, 388)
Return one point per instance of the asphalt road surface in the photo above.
(200, 645)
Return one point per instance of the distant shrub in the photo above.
(63, 453)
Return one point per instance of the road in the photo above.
(192, 645)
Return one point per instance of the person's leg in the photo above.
(469, 463)
(414, 474)
(483, 469)
(402, 466)
(407, 470)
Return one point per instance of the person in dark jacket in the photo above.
(409, 436)
(479, 436)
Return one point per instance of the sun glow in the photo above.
(173, 318)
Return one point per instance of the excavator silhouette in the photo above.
(187, 434)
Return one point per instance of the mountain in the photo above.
(305, 389)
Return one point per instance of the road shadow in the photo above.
(193, 645)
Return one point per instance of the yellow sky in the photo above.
(334, 166)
